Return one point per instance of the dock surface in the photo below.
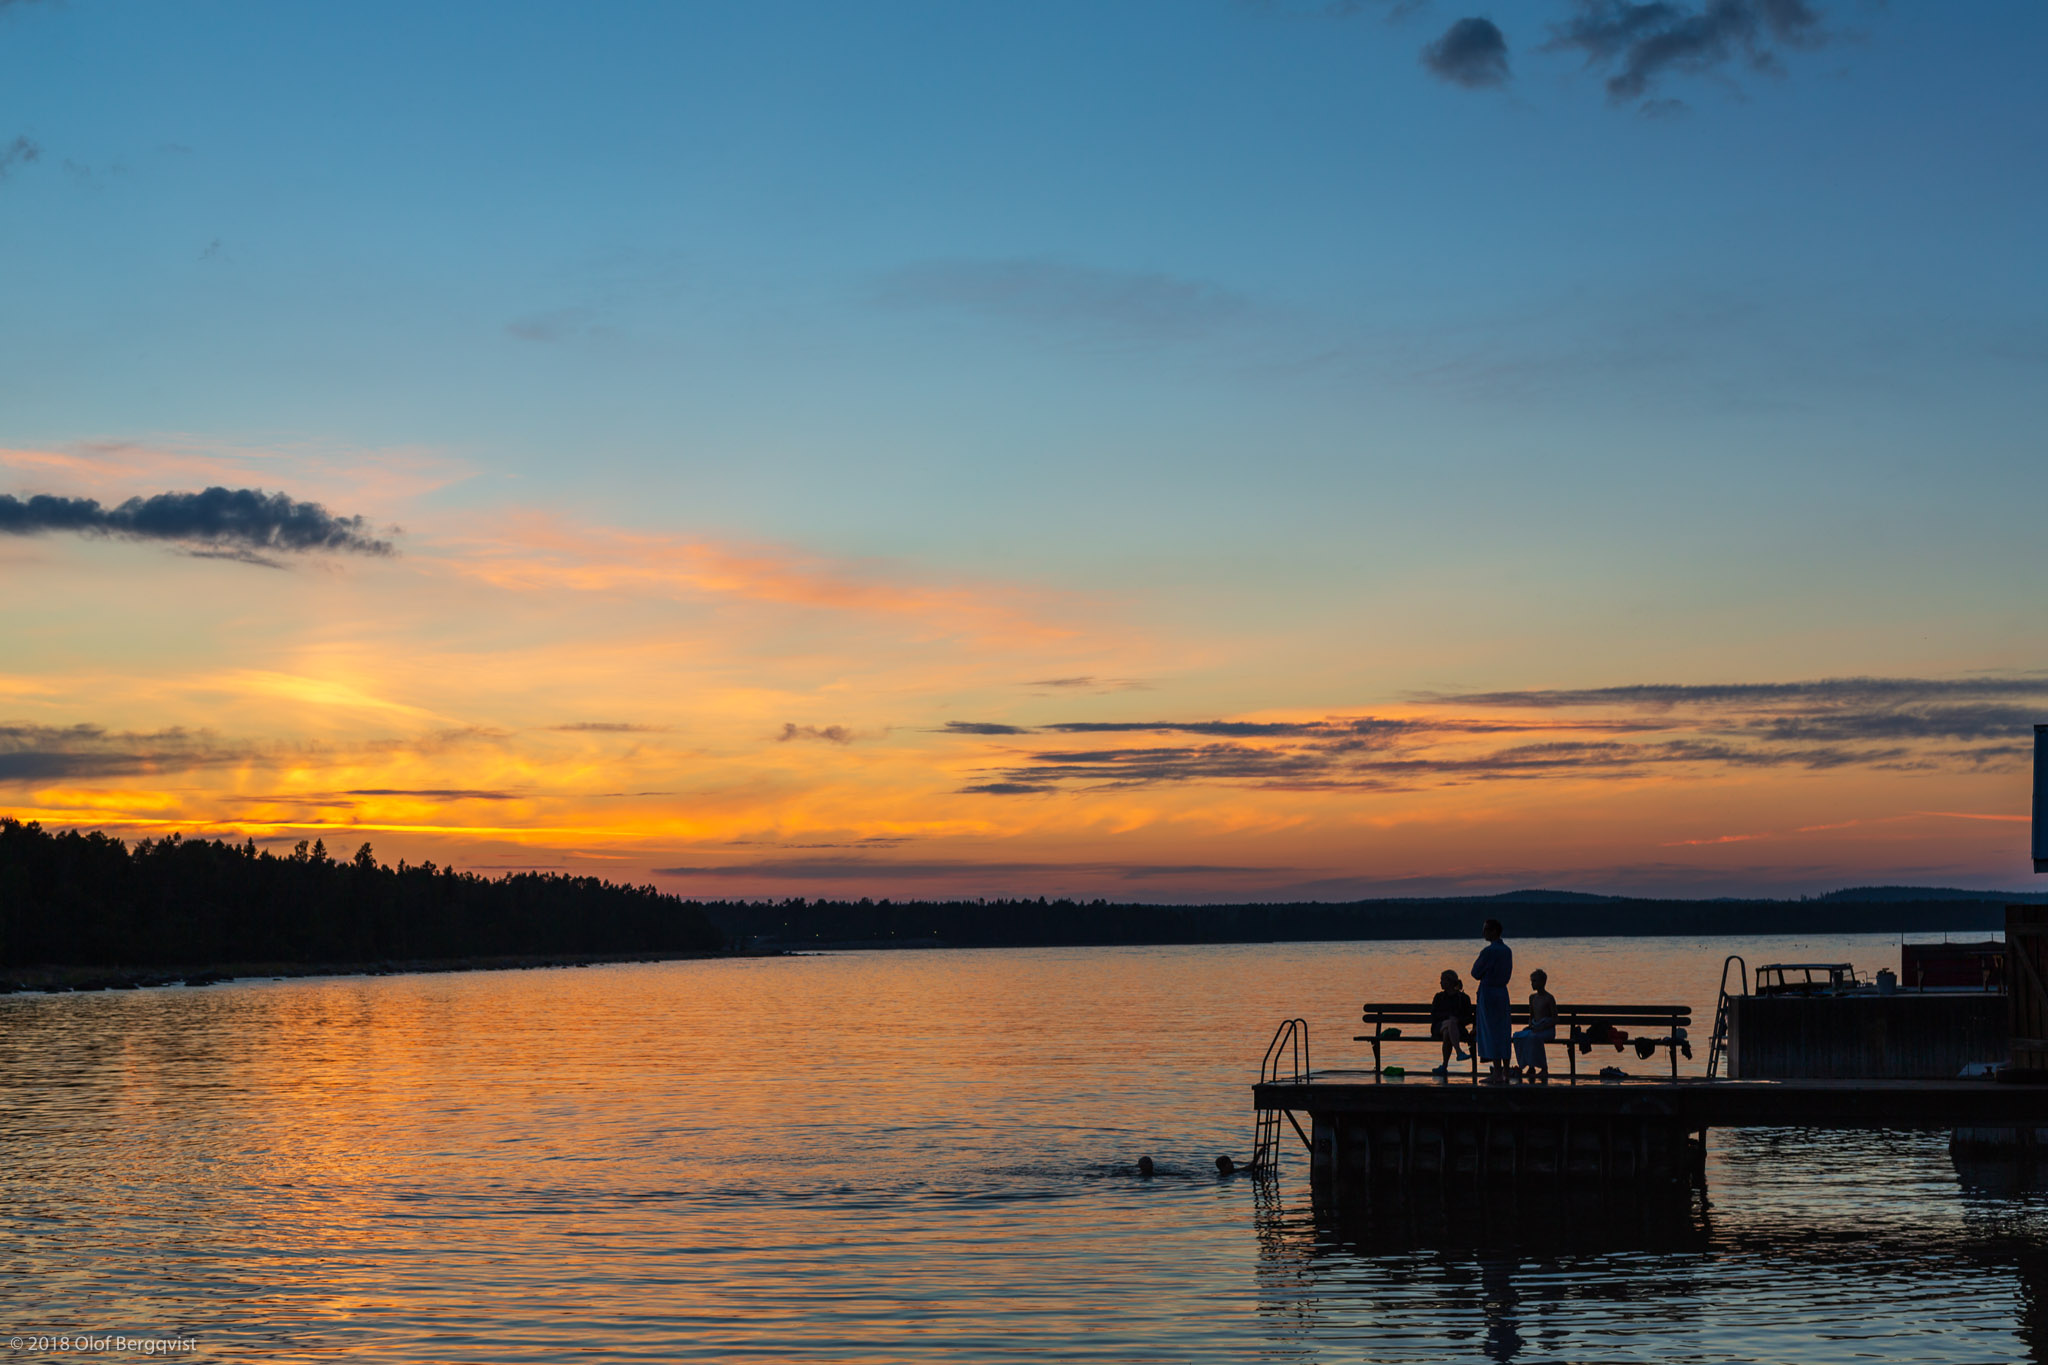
(1367, 1127)
(1691, 1101)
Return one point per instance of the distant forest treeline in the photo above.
(1526, 914)
(88, 899)
(73, 898)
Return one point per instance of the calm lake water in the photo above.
(913, 1156)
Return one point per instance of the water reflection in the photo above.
(902, 1157)
(1494, 1271)
(1804, 1247)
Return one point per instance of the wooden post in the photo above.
(2041, 798)
(2026, 952)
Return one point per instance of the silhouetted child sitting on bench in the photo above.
(1529, 1050)
(1450, 1020)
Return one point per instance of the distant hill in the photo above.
(1526, 914)
(1538, 897)
(1933, 893)
(87, 898)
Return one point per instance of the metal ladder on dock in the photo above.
(1286, 1060)
(1719, 1047)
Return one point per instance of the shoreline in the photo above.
(64, 980)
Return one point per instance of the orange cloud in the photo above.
(536, 552)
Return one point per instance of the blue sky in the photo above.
(1232, 323)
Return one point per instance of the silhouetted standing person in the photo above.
(1491, 972)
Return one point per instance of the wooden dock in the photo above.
(1365, 1127)
(1909, 1035)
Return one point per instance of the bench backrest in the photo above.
(1585, 1016)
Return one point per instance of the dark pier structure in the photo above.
(1815, 1048)
(1363, 1127)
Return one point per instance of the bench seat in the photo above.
(1579, 1028)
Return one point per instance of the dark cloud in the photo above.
(30, 753)
(19, 152)
(42, 753)
(609, 727)
(1829, 691)
(1472, 53)
(1325, 767)
(1153, 766)
(1905, 724)
(245, 524)
(1967, 722)
(872, 841)
(1639, 43)
(1241, 729)
(981, 727)
(1051, 292)
(1090, 683)
(831, 734)
(437, 793)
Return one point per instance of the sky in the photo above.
(1194, 451)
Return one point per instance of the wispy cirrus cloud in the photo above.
(19, 152)
(435, 793)
(1639, 44)
(1903, 724)
(1823, 710)
(532, 552)
(1088, 682)
(1839, 692)
(608, 727)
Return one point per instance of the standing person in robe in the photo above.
(1529, 1051)
(1491, 972)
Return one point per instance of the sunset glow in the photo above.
(901, 535)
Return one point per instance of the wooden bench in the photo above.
(1590, 1026)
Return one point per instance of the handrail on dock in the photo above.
(1718, 1048)
(1286, 1060)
